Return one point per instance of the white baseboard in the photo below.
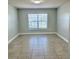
(47, 33)
(38, 33)
(62, 37)
(13, 38)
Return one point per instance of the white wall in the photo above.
(12, 22)
(23, 19)
(63, 13)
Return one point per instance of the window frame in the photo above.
(38, 22)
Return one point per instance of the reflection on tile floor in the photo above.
(38, 47)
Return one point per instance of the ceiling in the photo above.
(29, 4)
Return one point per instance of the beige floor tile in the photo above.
(37, 57)
(38, 47)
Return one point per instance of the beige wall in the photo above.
(23, 20)
(63, 13)
(12, 22)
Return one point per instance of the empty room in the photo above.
(38, 29)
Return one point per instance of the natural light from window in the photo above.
(37, 21)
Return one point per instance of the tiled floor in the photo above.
(38, 47)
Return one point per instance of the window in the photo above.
(37, 21)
